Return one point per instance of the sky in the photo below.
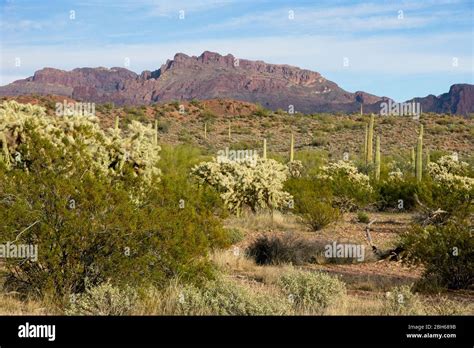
(399, 49)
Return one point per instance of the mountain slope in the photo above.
(212, 75)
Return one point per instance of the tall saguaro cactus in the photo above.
(230, 137)
(370, 136)
(377, 158)
(265, 148)
(116, 122)
(412, 156)
(205, 130)
(365, 142)
(292, 145)
(419, 156)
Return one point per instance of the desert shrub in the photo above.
(257, 183)
(401, 301)
(447, 252)
(311, 292)
(208, 116)
(453, 188)
(270, 249)
(225, 297)
(397, 188)
(90, 226)
(104, 299)
(196, 103)
(235, 235)
(312, 201)
(363, 217)
(351, 189)
(320, 141)
(318, 215)
(312, 160)
(163, 126)
(261, 112)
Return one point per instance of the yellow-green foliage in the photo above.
(257, 182)
(110, 152)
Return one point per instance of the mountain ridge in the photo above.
(211, 75)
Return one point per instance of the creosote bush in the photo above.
(446, 251)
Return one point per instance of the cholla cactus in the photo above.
(395, 175)
(451, 173)
(295, 168)
(257, 183)
(347, 171)
(5, 157)
(107, 151)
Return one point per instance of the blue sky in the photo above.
(394, 48)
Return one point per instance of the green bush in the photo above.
(104, 299)
(392, 191)
(363, 217)
(269, 249)
(235, 235)
(318, 215)
(447, 252)
(312, 201)
(312, 292)
(90, 228)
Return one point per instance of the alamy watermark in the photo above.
(19, 251)
(237, 155)
(400, 109)
(75, 109)
(349, 251)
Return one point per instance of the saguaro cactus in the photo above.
(205, 130)
(412, 157)
(229, 132)
(116, 122)
(265, 148)
(292, 145)
(370, 136)
(365, 142)
(419, 156)
(155, 137)
(377, 158)
(5, 152)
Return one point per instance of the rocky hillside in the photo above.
(212, 75)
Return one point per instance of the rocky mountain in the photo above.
(459, 100)
(212, 75)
